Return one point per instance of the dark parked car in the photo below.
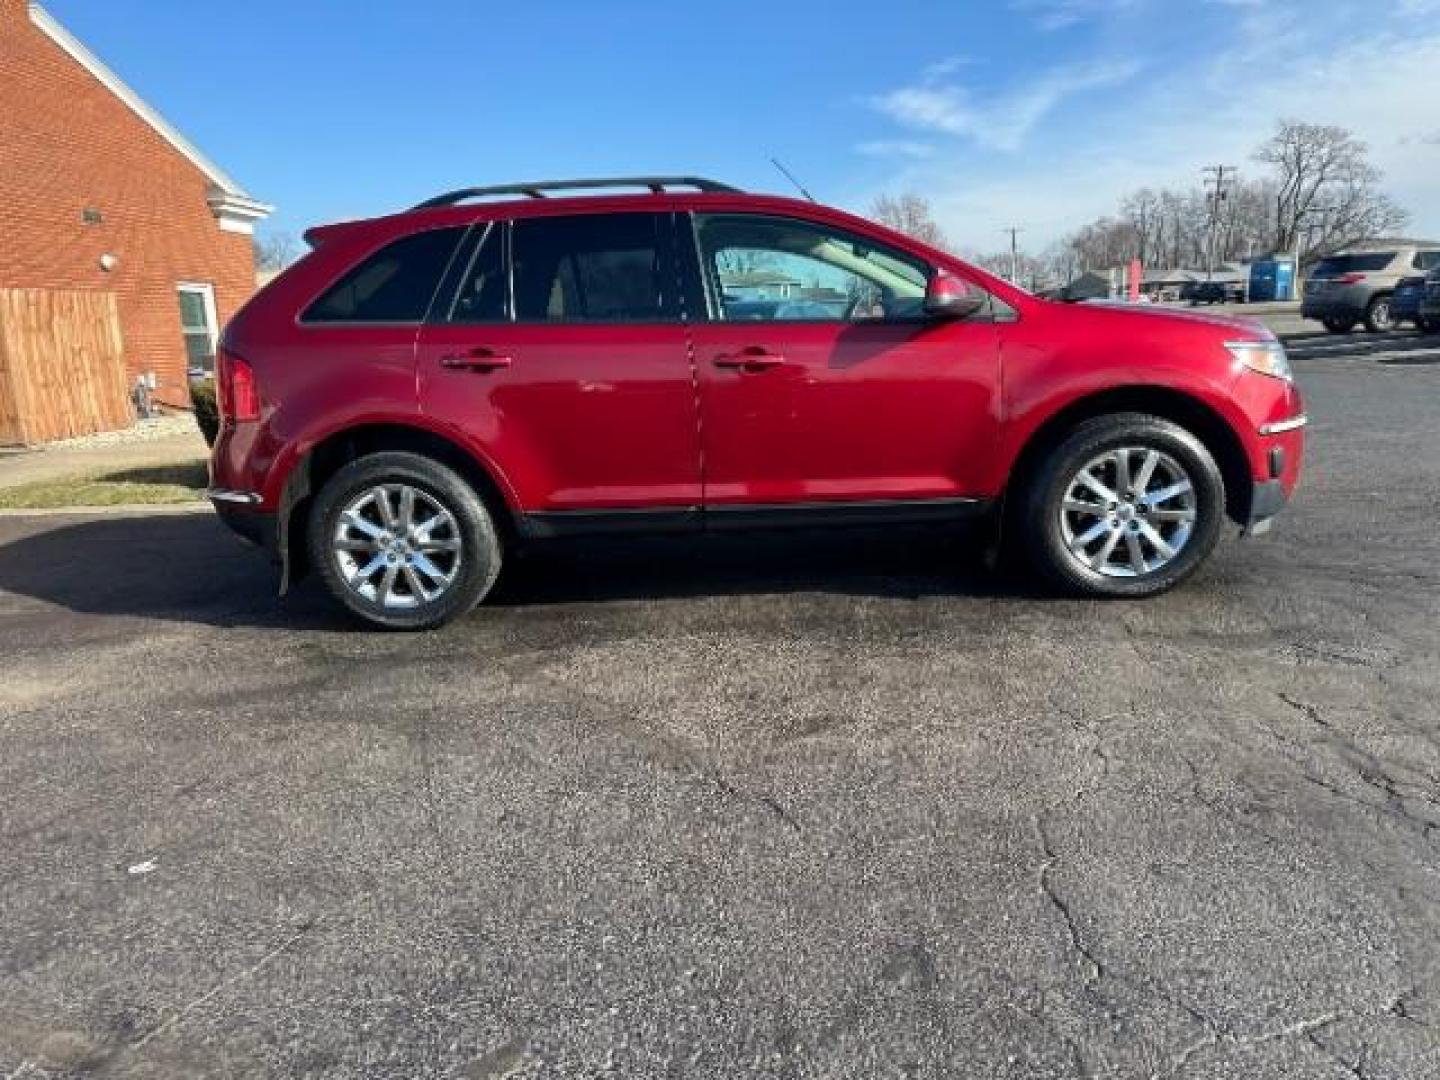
(426, 392)
(1405, 303)
(1428, 318)
(1214, 292)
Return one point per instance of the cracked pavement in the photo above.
(839, 805)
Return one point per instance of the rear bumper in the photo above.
(258, 527)
(1327, 307)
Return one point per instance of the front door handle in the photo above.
(755, 358)
(475, 360)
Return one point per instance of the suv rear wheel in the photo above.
(1126, 505)
(403, 542)
(1379, 316)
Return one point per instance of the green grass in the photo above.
(151, 484)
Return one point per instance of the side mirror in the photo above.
(950, 297)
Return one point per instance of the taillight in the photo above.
(1351, 278)
(239, 397)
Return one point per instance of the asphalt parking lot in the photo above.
(839, 806)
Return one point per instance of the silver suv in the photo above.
(1355, 286)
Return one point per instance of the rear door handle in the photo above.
(475, 360)
(755, 358)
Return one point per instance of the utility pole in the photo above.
(1014, 254)
(1213, 200)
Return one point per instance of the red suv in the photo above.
(424, 391)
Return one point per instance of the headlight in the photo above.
(1264, 357)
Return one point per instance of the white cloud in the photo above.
(1216, 107)
(1005, 121)
(1062, 14)
(896, 148)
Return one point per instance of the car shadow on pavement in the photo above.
(188, 567)
(897, 562)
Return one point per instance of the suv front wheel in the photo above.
(1126, 505)
(403, 541)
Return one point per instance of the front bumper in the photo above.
(1267, 499)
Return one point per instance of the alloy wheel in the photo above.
(397, 546)
(1128, 512)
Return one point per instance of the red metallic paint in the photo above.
(851, 411)
(585, 416)
(640, 416)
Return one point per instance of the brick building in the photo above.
(97, 191)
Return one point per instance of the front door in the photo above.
(822, 380)
(559, 351)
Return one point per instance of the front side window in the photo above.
(590, 268)
(770, 268)
(482, 295)
(394, 285)
(1427, 260)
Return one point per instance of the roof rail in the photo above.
(538, 189)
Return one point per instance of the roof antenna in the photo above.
(791, 177)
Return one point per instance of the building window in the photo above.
(197, 324)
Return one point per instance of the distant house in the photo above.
(758, 285)
(99, 192)
(1174, 284)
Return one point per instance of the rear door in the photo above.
(821, 378)
(558, 348)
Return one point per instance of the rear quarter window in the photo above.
(1370, 262)
(395, 284)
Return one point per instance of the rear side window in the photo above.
(590, 268)
(1368, 263)
(393, 285)
(1427, 260)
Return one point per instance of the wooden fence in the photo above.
(62, 365)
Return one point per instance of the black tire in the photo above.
(1427, 325)
(1379, 315)
(1339, 326)
(1041, 504)
(480, 553)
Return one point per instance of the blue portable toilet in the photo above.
(1272, 278)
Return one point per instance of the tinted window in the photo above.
(393, 285)
(482, 292)
(770, 268)
(589, 268)
(1369, 263)
(1427, 260)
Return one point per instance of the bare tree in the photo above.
(276, 251)
(1327, 191)
(911, 215)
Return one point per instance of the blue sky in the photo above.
(1035, 113)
